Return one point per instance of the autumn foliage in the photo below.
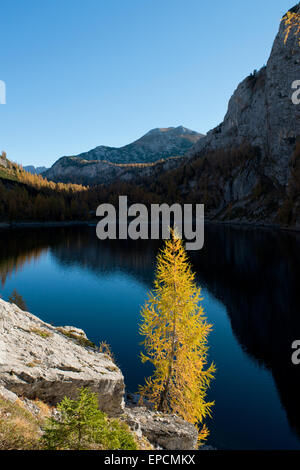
(292, 25)
(175, 334)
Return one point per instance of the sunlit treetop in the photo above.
(292, 25)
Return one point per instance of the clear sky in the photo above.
(82, 73)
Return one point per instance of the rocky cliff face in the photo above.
(40, 361)
(261, 112)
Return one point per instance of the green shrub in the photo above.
(81, 340)
(82, 426)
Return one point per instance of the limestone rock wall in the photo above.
(261, 111)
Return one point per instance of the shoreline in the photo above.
(253, 225)
(7, 225)
(70, 223)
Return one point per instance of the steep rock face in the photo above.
(261, 112)
(157, 144)
(38, 360)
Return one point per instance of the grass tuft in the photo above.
(81, 340)
(40, 332)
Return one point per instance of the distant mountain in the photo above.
(35, 170)
(157, 144)
(105, 164)
(78, 171)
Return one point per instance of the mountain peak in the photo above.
(157, 144)
(35, 170)
(294, 9)
(171, 130)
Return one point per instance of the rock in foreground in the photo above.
(162, 431)
(38, 360)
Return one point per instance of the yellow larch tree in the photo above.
(175, 334)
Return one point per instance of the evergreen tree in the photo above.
(176, 340)
(82, 426)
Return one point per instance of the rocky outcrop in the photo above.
(3, 162)
(38, 360)
(8, 395)
(162, 431)
(261, 111)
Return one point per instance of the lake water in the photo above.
(250, 281)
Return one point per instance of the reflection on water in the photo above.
(250, 281)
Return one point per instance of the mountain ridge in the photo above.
(159, 146)
(35, 170)
(156, 144)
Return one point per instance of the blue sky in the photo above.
(82, 73)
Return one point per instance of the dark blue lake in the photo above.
(251, 289)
